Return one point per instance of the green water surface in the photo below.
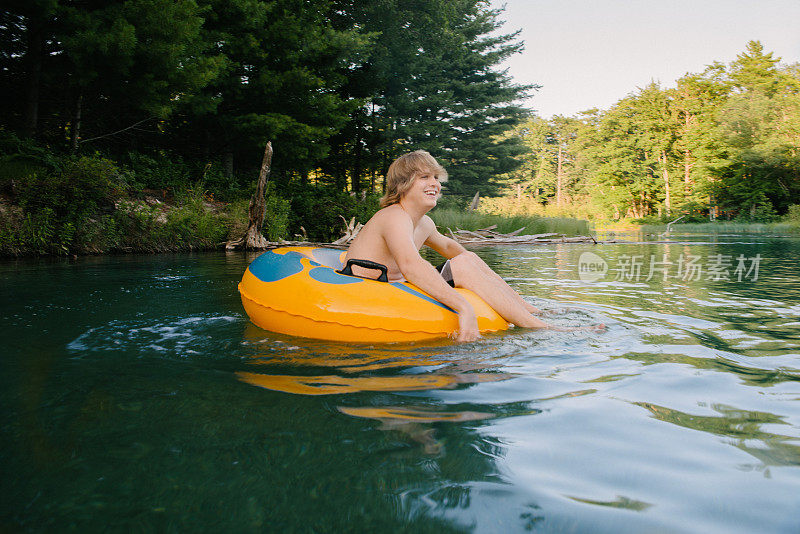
(137, 397)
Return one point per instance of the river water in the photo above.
(136, 396)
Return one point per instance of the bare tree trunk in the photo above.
(687, 166)
(252, 239)
(687, 173)
(206, 144)
(33, 58)
(356, 176)
(228, 162)
(558, 176)
(384, 170)
(667, 200)
(475, 201)
(75, 130)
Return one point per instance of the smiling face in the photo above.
(427, 187)
(416, 169)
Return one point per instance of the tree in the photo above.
(104, 65)
(759, 128)
(627, 154)
(432, 85)
(534, 176)
(695, 100)
(284, 62)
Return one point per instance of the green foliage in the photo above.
(793, 214)
(283, 66)
(37, 231)
(473, 220)
(319, 211)
(180, 91)
(20, 158)
(170, 172)
(549, 173)
(510, 206)
(725, 227)
(191, 224)
(430, 82)
(453, 202)
(62, 209)
(276, 218)
(158, 171)
(691, 212)
(758, 213)
(87, 185)
(127, 62)
(187, 92)
(84, 209)
(721, 142)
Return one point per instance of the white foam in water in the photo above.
(181, 337)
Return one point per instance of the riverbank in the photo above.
(787, 226)
(53, 205)
(126, 224)
(93, 206)
(454, 219)
(732, 227)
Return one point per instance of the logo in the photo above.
(591, 267)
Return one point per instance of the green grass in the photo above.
(722, 227)
(464, 220)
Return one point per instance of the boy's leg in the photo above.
(471, 272)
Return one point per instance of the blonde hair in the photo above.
(404, 170)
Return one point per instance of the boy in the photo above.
(394, 235)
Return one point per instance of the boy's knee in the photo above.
(465, 260)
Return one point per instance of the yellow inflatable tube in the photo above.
(297, 291)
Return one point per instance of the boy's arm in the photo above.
(449, 248)
(397, 232)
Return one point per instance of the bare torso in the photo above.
(370, 244)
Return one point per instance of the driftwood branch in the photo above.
(669, 226)
(351, 230)
(134, 125)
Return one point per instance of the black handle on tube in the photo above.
(367, 264)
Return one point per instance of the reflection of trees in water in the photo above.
(743, 426)
(751, 376)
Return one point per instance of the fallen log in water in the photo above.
(488, 236)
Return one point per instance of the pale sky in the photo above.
(592, 53)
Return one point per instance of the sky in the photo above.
(592, 53)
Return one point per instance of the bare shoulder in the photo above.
(427, 222)
(428, 226)
(391, 216)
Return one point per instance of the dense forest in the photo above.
(340, 87)
(724, 143)
(107, 99)
(113, 110)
